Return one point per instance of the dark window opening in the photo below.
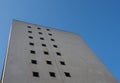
(62, 63)
(52, 40)
(58, 53)
(35, 74)
(32, 44)
(42, 38)
(50, 34)
(29, 26)
(32, 52)
(46, 53)
(67, 74)
(55, 46)
(44, 45)
(30, 37)
(29, 31)
(40, 32)
(38, 28)
(52, 74)
(34, 61)
(49, 62)
(48, 29)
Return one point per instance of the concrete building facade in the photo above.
(38, 54)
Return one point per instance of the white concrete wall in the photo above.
(81, 63)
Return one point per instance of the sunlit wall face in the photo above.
(39, 54)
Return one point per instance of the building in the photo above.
(38, 54)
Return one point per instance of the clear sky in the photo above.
(97, 22)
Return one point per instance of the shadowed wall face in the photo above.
(38, 54)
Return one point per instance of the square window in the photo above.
(40, 32)
(52, 40)
(44, 45)
(29, 26)
(49, 62)
(52, 74)
(30, 37)
(32, 44)
(46, 53)
(38, 28)
(29, 31)
(67, 74)
(32, 52)
(58, 53)
(48, 29)
(34, 61)
(42, 38)
(62, 62)
(50, 34)
(35, 74)
(55, 46)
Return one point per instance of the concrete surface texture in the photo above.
(39, 54)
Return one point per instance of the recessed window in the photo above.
(34, 61)
(48, 29)
(55, 46)
(58, 53)
(50, 34)
(38, 28)
(49, 62)
(30, 37)
(40, 32)
(46, 53)
(62, 62)
(32, 52)
(32, 44)
(29, 26)
(35, 74)
(67, 74)
(44, 45)
(42, 38)
(29, 31)
(52, 40)
(52, 74)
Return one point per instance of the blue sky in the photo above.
(96, 21)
